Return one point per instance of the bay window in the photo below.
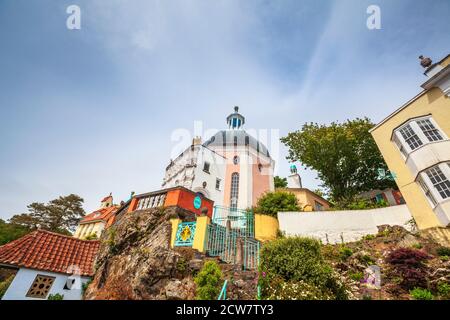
(415, 133)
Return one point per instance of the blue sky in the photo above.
(92, 111)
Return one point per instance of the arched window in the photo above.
(234, 194)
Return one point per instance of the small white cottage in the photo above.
(48, 264)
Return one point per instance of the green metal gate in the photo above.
(230, 229)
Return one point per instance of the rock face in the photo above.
(135, 260)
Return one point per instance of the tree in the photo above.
(280, 182)
(59, 215)
(279, 201)
(10, 232)
(209, 281)
(345, 156)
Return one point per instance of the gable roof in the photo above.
(49, 251)
(106, 215)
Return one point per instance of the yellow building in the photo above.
(414, 141)
(94, 223)
(308, 200)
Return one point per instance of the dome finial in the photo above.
(235, 120)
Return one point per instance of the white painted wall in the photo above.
(24, 278)
(353, 225)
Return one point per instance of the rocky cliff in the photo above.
(135, 260)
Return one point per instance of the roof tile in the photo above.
(49, 251)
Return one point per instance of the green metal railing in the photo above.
(251, 253)
(242, 221)
(223, 292)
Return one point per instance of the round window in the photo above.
(236, 160)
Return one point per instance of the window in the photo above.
(318, 206)
(218, 184)
(427, 192)
(416, 133)
(410, 137)
(206, 167)
(440, 181)
(40, 287)
(400, 146)
(234, 194)
(236, 160)
(429, 130)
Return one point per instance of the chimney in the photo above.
(197, 141)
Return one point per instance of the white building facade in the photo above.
(232, 168)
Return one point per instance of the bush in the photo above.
(4, 285)
(55, 296)
(294, 268)
(92, 236)
(421, 294)
(409, 265)
(209, 281)
(443, 290)
(356, 276)
(443, 251)
(366, 259)
(359, 204)
(273, 202)
(345, 253)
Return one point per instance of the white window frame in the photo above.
(401, 143)
(425, 183)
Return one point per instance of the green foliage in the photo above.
(182, 265)
(4, 285)
(366, 259)
(369, 237)
(356, 203)
(10, 232)
(443, 289)
(92, 236)
(443, 251)
(417, 246)
(55, 296)
(209, 281)
(85, 285)
(279, 201)
(356, 276)
(59, 215)
(345, 253)
(345, 156)
(280, 182)
(111, 242)
(294, 268)
(421, 294)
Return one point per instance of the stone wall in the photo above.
(351, 225)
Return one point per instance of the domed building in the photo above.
(232, 168)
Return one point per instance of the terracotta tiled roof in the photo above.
(106, 198)
(48, 251)
(105, 214)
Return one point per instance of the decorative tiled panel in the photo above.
(185, 234)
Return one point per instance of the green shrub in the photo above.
(368, 260)
(443, 290)
(278, 201)
(443, 251)
(55, 296)
(345, 253)
(444, 258)
(294, 268)
(92, 236)
(417, 246)
(209, 281)
(421, 294)
(369, 237)
(4, 285)
(356, 276)
(84, 286)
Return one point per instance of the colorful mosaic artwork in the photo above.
(185, 234)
